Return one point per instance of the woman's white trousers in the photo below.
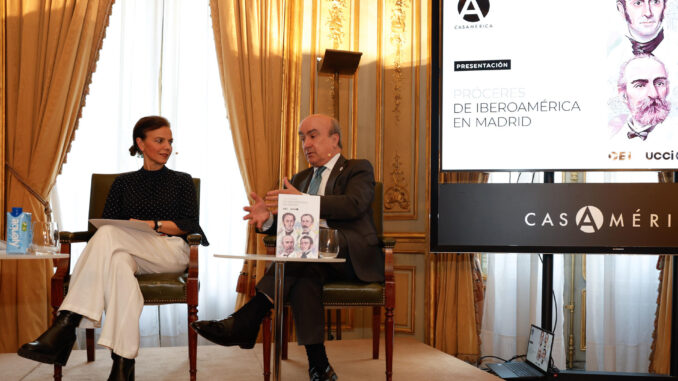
(103, 280)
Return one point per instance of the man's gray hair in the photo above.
(335, 128)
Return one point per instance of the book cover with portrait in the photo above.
(297, 234)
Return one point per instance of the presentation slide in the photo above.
(557, 85)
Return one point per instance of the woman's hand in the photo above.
(151, 224)
(168, 227)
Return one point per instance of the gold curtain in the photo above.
(258, 50)
(52, 47)
(457, 306)
(660, 356)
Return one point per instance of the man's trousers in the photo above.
(303, 287)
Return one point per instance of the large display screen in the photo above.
(556, 85)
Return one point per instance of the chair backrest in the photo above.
(101, 185)
(378, 208)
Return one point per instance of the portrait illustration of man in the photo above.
(288, 223)
(643, 87)
(644, 20)
(288, 245)
(306, 245)
(306, 223)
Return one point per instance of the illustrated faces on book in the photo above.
(643, 86)
(288, 244)
(643, 17)
(288, 222)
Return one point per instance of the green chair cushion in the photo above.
(163, 288)
(159, 288)
(353, 294)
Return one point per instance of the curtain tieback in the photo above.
(45, 203)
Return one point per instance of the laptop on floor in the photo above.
(536, 362)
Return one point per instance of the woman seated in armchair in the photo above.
(103, 278)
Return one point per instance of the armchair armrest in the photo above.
(192, 280)
(387, 242)
(72, 237)
(269, 242)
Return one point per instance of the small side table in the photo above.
(278, 299)
(4, 255)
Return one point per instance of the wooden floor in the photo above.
(351, 359)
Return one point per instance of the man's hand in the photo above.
(272, 196)
(257, 213)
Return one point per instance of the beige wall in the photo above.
(384, 113)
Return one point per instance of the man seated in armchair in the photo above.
(346, 189)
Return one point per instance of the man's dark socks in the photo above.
(317, 358)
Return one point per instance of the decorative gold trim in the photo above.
(416, 46)
(413, 282)
(291, 89)
(378, 141)
(3, 112)
(582, 338)
(356, 46)
(583, 267)
(571, 307)
(429, 274)
(397, 195)
(313, 67)
(404, 235)
(335, 23)
(398, 27)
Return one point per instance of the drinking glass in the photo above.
(45, 238)
(328, 243)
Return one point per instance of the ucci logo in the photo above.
(473, 10)
(589, 219)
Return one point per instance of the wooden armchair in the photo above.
(165, 288)
(352, 294)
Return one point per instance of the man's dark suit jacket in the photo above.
(346, 206)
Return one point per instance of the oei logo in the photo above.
(589, 219)
(473, 10)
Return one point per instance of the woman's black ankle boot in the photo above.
(122, 370)
(54, 345)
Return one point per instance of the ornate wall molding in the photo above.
(397, 122)
(397, 195)
(334, 27)
(405, 278)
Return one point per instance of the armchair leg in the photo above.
(57, 368)
(328, 323)
(287, 326)
(376, 331)
(266, 345)
(338, 323)
(192, 342)
(89, 338)
(57, 372)
(388, 336)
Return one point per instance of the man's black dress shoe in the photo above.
(54, 345)
(228, 332)
(327, 375)
(122, 370)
